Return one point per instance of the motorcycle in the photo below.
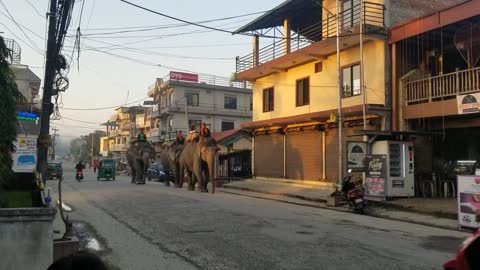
(79, 175)
(353, 195)
(467, 255)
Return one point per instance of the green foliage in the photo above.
(9, 95)
(15, 199)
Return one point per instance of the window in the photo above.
(350, 11)
(192, 99)
(251, 103)
(318, 67)
(194, 124)
(351, 81)
(228, 125)
(303, 92)
(230, 102)
(268, 100)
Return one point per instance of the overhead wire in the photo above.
(37, 48)
(105, 108)
(35, 8)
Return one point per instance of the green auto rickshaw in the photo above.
(106, 169)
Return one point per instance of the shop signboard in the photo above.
(469, 200)
(375, 177)
(25, 155)
(468, 103)
(182, 76)
(356, 155)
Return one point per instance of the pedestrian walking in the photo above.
(95, 166)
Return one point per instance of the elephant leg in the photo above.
(138, 175)
(190, 178)
(199, 177)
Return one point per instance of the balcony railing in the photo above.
(374, 14)
(443, 86)
(205, 108)
(215, 80)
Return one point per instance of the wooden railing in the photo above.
(443, 86)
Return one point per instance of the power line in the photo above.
(171, 25)
(164, 54)
(36, 10)
(19, 27)
(80, 121)
(103, 108)
(26, 43)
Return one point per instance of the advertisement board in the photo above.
(182, 76)
(375, 177)
(468, 103)
(469, 200)
(25, 155)
(356, 155)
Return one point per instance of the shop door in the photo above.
(304, 155)
(269, 155)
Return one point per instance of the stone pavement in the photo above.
(426, 211)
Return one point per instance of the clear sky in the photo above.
(104, 80)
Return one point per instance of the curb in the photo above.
(412, 210)
(326, 207)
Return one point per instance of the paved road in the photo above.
(155, 227)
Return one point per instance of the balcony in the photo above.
(204, 108)
(437, 96)
(201, 79)
(119, 147)
(313, 42)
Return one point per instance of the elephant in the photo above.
(139, 155)
(198, 160)
(170, 157)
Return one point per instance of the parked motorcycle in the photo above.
(79, 175)
(467, 255)
(353, 195)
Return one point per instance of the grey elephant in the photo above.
(198, 160)
(139, 156)
(170, 157)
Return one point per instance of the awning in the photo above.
(301, 13)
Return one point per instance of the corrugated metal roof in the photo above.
(301, 13)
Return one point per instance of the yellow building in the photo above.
(296, 89)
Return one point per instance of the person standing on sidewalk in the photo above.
(95, 166)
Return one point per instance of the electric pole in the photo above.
(47, 106)
(54, 142)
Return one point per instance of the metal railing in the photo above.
(15, 51)
(215, 80)
(374, 14)
(443, 86)
(235, 165)
(179, 106)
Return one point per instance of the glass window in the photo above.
(268, 100)
(230, 102)
(351, 81)
(192, 99)
(228, 125)
(303, 92)
(251, 103)
(194, 124)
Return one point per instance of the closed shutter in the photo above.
(269, 155)
(304, 155)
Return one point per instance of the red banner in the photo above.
(181, 76)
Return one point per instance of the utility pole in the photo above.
(362, 71)
(47, 106)
(54, 142)
(340, 116)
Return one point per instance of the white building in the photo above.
(184, 101)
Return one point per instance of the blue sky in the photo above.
(104, 80)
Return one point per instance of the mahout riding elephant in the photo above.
(198, 160)
(170, 158)
(139, 156)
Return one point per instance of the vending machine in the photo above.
(399, 180)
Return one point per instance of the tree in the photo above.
(9, 95)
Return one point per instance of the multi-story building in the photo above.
(436, 83)
(298, 84)
(186, 100)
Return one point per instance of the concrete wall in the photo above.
(323, 85)
(26, 238)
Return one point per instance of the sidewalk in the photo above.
(432, 212)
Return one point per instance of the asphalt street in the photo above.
(156, 227)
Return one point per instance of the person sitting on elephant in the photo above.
(204, 131)
(180, 140)
(141, 137)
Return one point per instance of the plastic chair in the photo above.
(429, 183)
(449, 185)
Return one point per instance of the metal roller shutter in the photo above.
(269, 155)
(304, 155)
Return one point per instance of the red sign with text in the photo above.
(182, 76)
